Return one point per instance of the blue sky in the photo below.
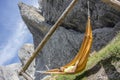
(13, 31)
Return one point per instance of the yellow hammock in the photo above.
(79, 62)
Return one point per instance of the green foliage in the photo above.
(111, 50)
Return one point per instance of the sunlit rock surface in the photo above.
(24, 54)
(10, 72)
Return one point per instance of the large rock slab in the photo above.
(102, 15)
(65, 42)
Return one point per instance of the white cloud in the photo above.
(35, 3)
(32, 2)
(21, 35)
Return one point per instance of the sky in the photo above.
(13, 32)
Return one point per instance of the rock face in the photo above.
(24, 54)
(10, 72)
(102, 15)
(65, 42)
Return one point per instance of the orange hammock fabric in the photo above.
(81, 58)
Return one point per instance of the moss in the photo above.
(112, 49)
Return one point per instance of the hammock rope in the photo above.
(79, 62)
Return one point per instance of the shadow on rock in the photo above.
(110, 70)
